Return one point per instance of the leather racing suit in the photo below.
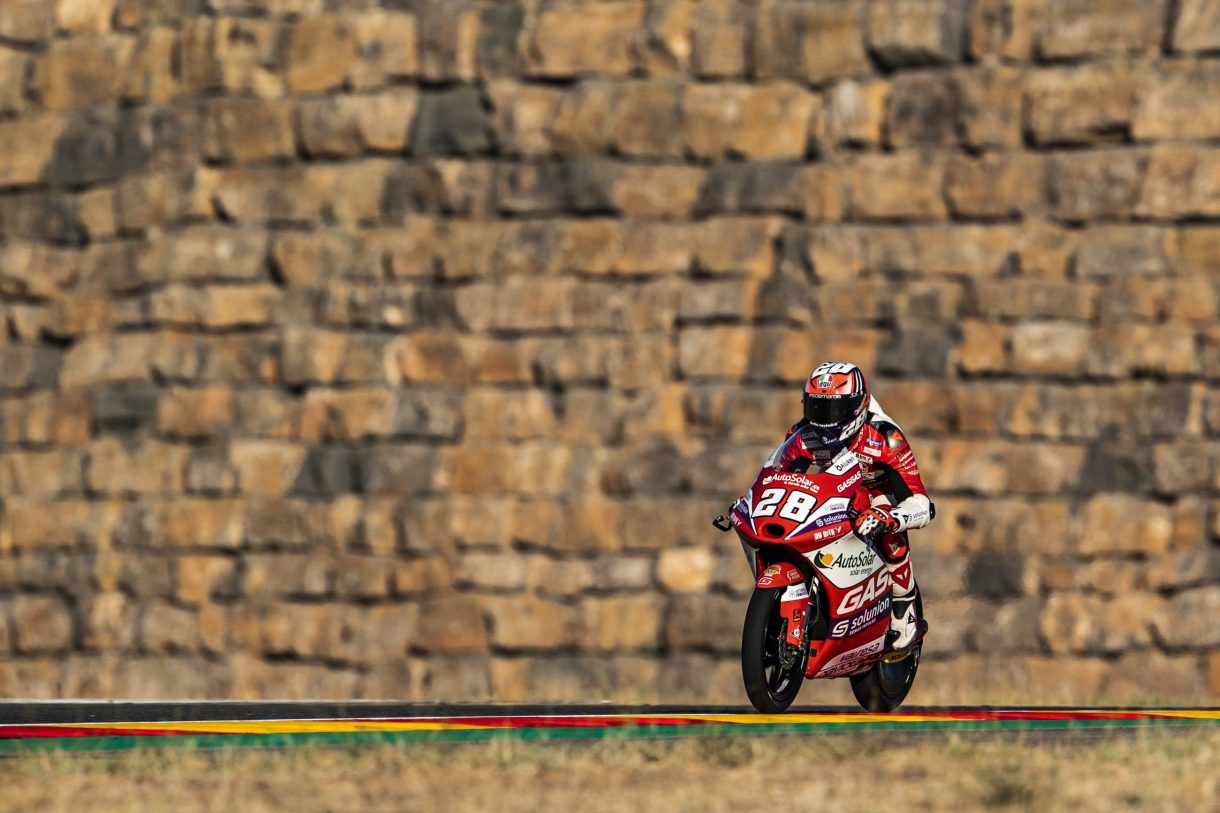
(891, 475)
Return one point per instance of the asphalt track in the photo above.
(93, 726)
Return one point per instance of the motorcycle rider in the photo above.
(840, 412)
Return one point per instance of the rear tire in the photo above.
(885, 686)
(771, 683)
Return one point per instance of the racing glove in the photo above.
(875, 523)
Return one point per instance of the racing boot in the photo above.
(904, 621)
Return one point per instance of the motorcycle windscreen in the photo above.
(799, 454)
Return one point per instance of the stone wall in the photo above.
(406, 349)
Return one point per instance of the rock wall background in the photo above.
(406, 349)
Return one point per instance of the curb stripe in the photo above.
(278, 733)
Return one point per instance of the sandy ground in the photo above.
(937, 772)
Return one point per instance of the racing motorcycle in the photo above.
(821, 601)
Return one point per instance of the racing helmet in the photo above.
(835, 401)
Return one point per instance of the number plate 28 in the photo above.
(792, 504)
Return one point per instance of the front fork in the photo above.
(794, 606)
(794, 603)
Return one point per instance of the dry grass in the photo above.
(949, 772)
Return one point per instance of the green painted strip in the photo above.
(207, 741)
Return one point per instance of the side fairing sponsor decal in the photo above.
(851, 661)
(864, 593)
(818, 519)
(827, 533)
(846, 562)
(852, 561)
(798, 480)
(861, 620)
(833, 518)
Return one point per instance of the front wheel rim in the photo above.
(779, 679)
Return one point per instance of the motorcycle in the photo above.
(821, 601)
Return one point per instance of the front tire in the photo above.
(772, 669)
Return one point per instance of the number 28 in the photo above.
(796, 508)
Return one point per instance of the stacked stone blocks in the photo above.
(405, 349)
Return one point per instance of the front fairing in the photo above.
(801, 498)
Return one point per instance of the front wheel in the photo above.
(773, 670)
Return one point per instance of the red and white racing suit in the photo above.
(891, 475)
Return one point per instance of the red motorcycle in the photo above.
(821, 602)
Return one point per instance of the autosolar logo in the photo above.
(853, 561)
(848, 627)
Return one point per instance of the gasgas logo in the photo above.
(865, 593)
(848, 483)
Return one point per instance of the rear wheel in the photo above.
(773, 670)
(884, 686)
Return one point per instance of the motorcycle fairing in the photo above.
(801, 510)
(827, 521)
(780, 574)
(846, 561)
(857, 659)
(804, 503)
(858, 611)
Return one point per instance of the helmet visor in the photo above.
(832, 410)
